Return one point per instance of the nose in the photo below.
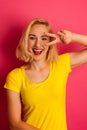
(38, 43)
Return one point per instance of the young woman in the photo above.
(37, 90)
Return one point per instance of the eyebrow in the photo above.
(41, 36)
(44, 36)
(32, 35)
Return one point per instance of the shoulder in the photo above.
(64, 56)
(16, 73)
(14, 80)
(64, 61)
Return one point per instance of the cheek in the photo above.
(46, 48)
(30, 47)
(30, 44)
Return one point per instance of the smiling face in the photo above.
(37, 41)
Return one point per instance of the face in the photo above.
(38, 40)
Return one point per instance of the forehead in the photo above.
(39, 28)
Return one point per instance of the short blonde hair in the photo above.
(22, 51)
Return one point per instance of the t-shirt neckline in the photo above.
(40, 83)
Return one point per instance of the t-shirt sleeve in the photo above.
(13, 80)
(65, 61)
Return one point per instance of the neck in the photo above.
(39, 65)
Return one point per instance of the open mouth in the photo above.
(37, 51)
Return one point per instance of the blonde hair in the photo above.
(22, 51)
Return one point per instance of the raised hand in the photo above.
(65, 36)
(54, 38)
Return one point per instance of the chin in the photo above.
(38, 58)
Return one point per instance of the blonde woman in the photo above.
(37, 90)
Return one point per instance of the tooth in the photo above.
(37, 50)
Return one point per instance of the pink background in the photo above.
(67, 14)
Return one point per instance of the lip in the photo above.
(37, 51)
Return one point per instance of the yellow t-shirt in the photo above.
(44, 104)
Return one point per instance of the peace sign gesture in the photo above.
(55, 39)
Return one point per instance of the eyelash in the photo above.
(33, 38)
(44, 38)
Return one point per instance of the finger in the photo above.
(61, 36)
(51, 35)
(60, 33)
(55, 38)
(52, 42)
(63, 31)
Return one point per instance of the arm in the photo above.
(67, 37)
(14, 112)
